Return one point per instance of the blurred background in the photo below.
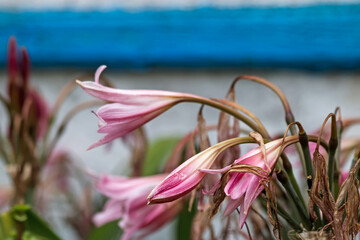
(310, 49)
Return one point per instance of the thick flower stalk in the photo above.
(128, 202)
(130, 108)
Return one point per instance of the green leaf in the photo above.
(109, 231)
(7, 226)
(38, 226)
(31, 236)
(184, 222)
(157, 153)
(33, 227)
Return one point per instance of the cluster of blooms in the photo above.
(139, 201)
(260, 185)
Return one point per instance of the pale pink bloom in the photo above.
(187, 176)
(325, 135)
(56, 171)
(235, 186)
(130, 108)
(244, 187)
(128, 202)
(312, 147)
(54, 179)
(347, 145)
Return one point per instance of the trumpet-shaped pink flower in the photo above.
(235, 187)
(187, 176)
(243, 188)
(128, 202)
(130, 108)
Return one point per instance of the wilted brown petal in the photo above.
(320, 192)
(201, 223)
(272, 208)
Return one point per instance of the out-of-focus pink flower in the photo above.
(54, 179)
(187, 176)
(56, 170)
(325, 135)
(128, 202)
(312, 146)
(130, 108)
(343, 177)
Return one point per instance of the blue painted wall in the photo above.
(312, 37)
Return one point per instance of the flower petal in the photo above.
(113, 210)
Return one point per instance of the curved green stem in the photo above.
(284, 180)
(294, 223)
(288, 218)
(289, 170)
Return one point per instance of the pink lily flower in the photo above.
(128, 202)
(130, 108)
(187, 176)
(243, 188)
(235, 186)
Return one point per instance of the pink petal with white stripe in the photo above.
(132, 108)
(188, 175)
